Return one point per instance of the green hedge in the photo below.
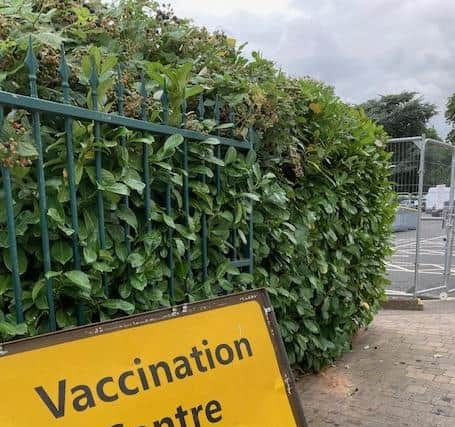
(321, 177)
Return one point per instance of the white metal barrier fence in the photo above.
(424, 178)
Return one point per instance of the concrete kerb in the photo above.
(403, 303)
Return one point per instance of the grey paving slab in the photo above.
(400, 372)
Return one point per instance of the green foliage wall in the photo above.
(324, 204)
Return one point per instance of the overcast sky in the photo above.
(362, 47)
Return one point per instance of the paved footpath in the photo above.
(401, 372)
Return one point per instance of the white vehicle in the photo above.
(436, 198)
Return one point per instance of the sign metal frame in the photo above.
(88, 331)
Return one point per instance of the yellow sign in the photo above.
(207, 364)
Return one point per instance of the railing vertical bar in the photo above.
(126, 201)
(416, 281)
(217, 118)
(233, 233)
(94, 82)
(12, 242)
(170, 252)
(249, 247)
(64, 72)
(204, 238)
(32, 65)
(186, 202)
(250, 239)
(217, 115)
(145, 161)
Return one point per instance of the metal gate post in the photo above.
(450, 248)
(419, 215)
(450, 225)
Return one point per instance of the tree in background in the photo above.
(401, 115)
(407, 114)
(450, 116)
(432, 133)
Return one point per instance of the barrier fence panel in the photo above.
(433, 231)
(405, 175)
(423, 173)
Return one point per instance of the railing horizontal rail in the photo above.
(406, 139)
(43, 106)
(440, 143)
(241, 263)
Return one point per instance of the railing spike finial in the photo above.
(93, 79)
(94, 83)
(232, 119)
(143, 90)
(217, 109)
(119, 84)
(144, 95)
(33, 66)
(65, 74)
(120, 90)
(184, 111)
(201, 108)
(231, 115)
(252, 136)
(63, 68)
(165, 102)
(30, 58)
